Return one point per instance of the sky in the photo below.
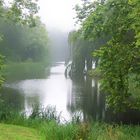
(58, 14)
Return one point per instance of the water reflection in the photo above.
(85, 97)
(68, 96)
(12, 98)
(48, 91)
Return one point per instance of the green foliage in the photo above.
(118, 24)
(22, 43)
(18, 11)
(81, 52)
(96, 73)
(49, 129)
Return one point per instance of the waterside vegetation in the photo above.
(109, 38)
(45, 125)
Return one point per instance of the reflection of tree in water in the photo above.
(12, 98)
(74, 93)
(16, 101)
(85, 97)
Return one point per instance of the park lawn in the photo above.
(13, 132)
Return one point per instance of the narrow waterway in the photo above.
(70, 97)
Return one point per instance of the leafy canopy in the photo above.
(118, 24)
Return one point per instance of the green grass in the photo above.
(114, 132)
(54, 131)
(48, 128)
(94, 131)
(24, 70)
(45, 123)
(13, 132)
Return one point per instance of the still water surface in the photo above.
(70, 97)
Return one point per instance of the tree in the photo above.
(117, 23)
(19, 11)
(81, 51)
(22, 43)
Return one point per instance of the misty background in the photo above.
(58, 16)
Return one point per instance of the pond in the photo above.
(77, 96)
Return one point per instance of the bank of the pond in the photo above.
(54, 131)
(48, 127)
(47, 124)
(25, 70)
(13, 132)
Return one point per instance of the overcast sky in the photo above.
(58, 13)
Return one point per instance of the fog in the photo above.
(58, 45)
(58, 16)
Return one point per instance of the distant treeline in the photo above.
(19, 42)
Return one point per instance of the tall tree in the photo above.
(117, 24)
(19, 11)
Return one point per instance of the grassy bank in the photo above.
(95, 131)
(46, 123)
(24, 70)
(13, 132)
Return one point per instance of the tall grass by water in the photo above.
(25, 70)
(47, 122)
